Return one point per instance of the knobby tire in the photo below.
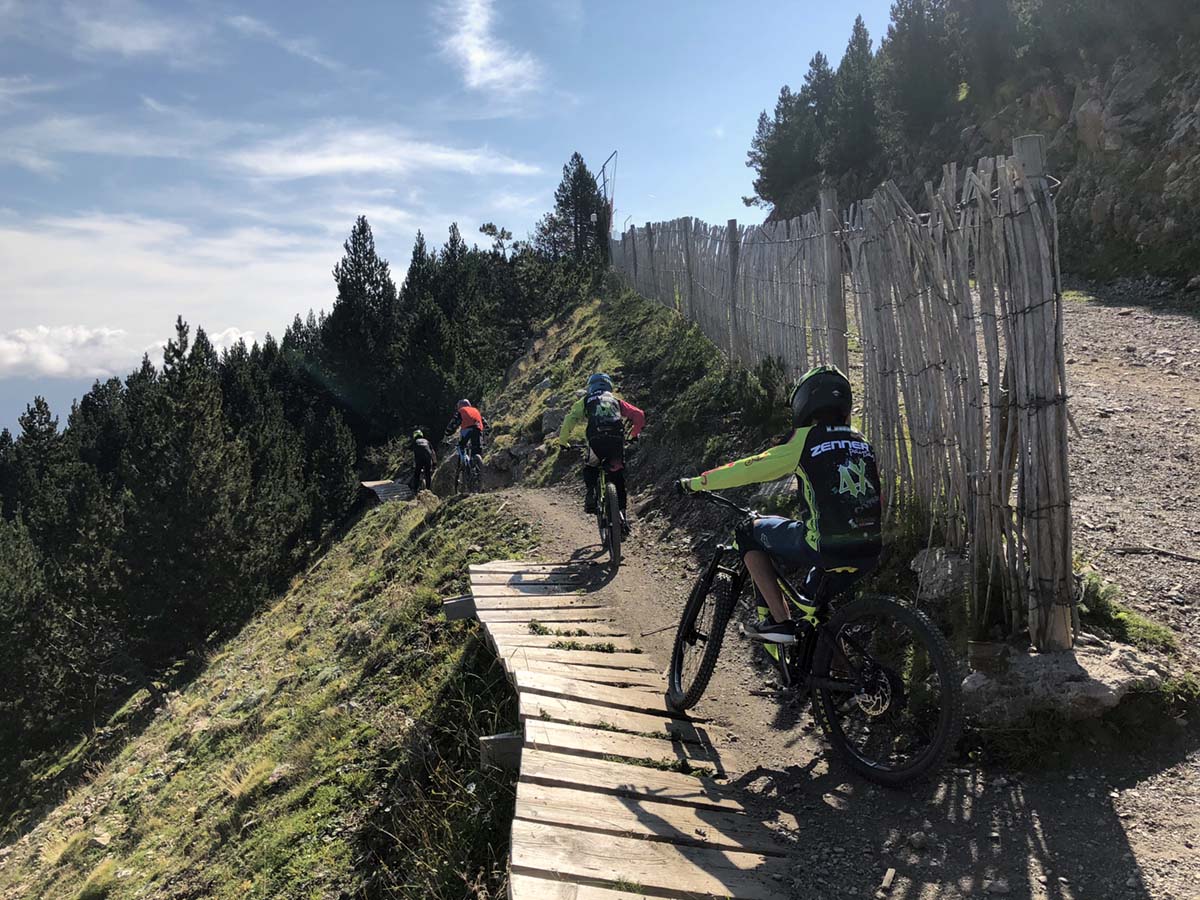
(711, 587)
(945, 665)
(614, 524)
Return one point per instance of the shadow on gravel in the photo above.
(1061, 834)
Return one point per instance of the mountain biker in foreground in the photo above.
(838, 481)
(605, 413)
(470, 424)
(424, 459)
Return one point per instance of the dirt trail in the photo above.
(1134, 378)
(1112, 825)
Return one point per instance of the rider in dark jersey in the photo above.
(424, 459)
(835, 468)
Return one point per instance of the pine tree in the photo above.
(854, 138)
(569, 231)
(360, 335)
(917, 72)
(333, 478)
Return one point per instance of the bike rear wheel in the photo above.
(905, 715)
(613, 506)
(699, 638)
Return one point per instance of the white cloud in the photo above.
(139, 273)
(72, 351)
(334, 148)
(718, 132)
(487, 63)
(250, 27)
(220, 340)
(14, 87)
(128, 29)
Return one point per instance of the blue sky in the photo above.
(208, 159)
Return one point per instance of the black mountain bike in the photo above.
(468, 469)
(884, 684)
(608, 508)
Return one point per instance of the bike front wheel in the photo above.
(613, 507)
(699, 638)
(894, 710)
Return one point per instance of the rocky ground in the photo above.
(1135, 465)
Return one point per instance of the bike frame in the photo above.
(794, 662)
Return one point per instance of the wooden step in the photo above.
(653, 865)
(646, 819)
(523, 590)
(521, 565)
(516, 657)
(650, 681)
(559, 737)
(549, 640)
(561, 578)
(587, 692)
(568, 614)
(593, 629)
(531, 887)
(567, 601)
(603, 776)
(556, 709)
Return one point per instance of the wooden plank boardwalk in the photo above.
(386, 491)
(618, 797)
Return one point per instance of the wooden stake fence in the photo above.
(959, 318)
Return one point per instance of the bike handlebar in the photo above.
(721, 501)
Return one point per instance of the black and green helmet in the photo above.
(823, 389)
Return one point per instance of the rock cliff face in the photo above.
(1125, 142)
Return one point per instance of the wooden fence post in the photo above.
(688, 228)
(633, 256)
(733, 247)
(835, 311)
(1047, 488)
(652, 291)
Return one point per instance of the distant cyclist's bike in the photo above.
(468, 470)
(608, 510)
(884, 684)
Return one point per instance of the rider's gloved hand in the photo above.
(683, 486)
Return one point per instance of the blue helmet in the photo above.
(599, 382)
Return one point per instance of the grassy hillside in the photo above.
(699, 408)
(328, 750)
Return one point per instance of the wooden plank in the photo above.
(521, 565)
(549, 640)
(531, 887)
(560, 737)
(565, 770)
(535, 603)
(459, 608)
(501, 578)
(593, 629)
(646, 819)
(650, 681)
(638, 661)
(653, 865)
(587, 692)
(569, 614)
(524, 590)
(557, 709)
